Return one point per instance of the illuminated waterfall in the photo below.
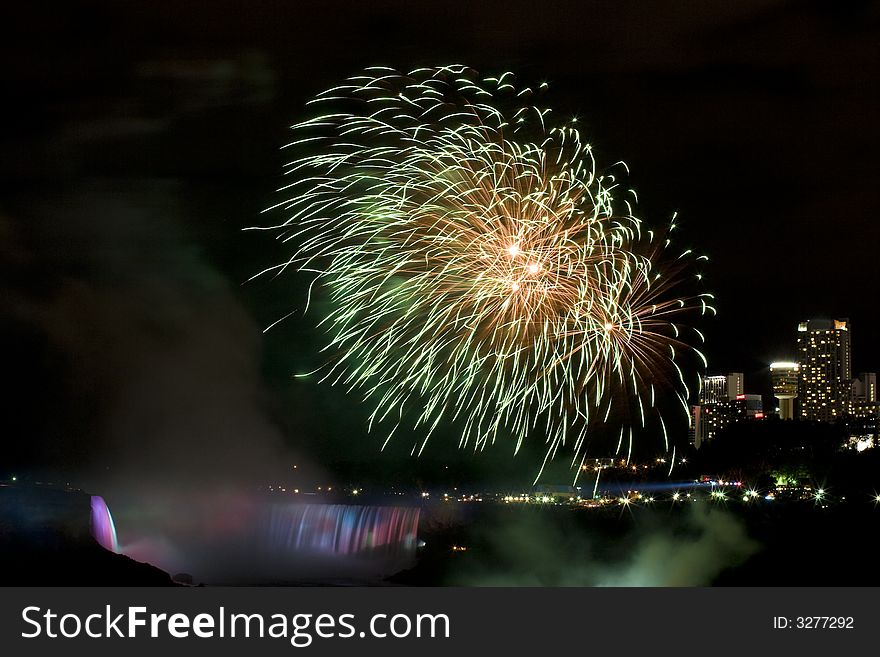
(336, 529)
(103, 529)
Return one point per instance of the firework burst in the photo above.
(480, 269)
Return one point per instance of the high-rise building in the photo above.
(713, 389)
(708, 420)
(869, 379)
(715, 408)
(722, 387)
(747, 406)
(784, 375)
(864, 420)
(864, 388)
(824, 369)
(735, 385)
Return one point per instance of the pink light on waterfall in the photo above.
(103, 528)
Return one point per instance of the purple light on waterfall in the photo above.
(103, 529)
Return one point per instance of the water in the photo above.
(337, 529)
(240, 539)
(103, 527)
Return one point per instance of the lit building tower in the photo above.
(825, 369)
(785, 386)
(864, 388)
(735, 385)
(713, 389)
(721, 388)
(869, 382)
(714, 410)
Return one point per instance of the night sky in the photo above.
(140, 138)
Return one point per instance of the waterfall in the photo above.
(337, 529)
(103, 528)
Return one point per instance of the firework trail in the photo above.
(478, 267)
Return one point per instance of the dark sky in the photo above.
(140, 137)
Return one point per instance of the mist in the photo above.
(654, 548)
(159, 403)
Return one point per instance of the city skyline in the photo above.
(817, 386)
(786, 360)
